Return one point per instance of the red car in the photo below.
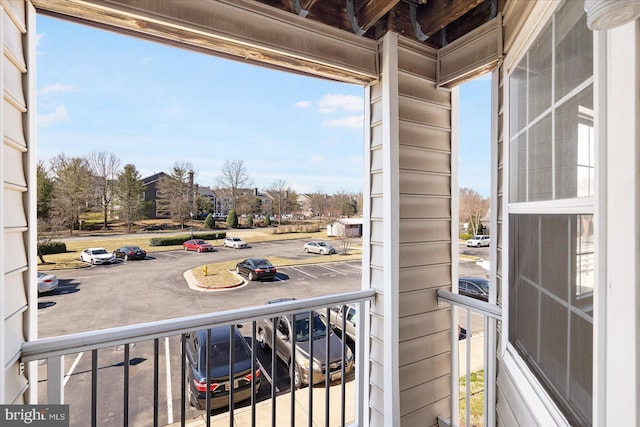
(197, 245)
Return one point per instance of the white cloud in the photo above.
(58, 115)
(317, 159)
(56, 88)
(334, 102)
(303, 104)
(351, 122)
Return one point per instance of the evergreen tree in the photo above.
(232, 219)
(210, 222)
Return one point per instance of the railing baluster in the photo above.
(468, 370)
(343, 371)
(311, 313)
(253, 373)
(292, 369)
(183, 378)
(94, 388)
(232, 372)
(125, 411)
(55, 380)
(156, 382)
(274, 375)
(208, 390)
(326, 374)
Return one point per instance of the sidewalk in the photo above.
(242, 416)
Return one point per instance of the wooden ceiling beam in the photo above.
(437, 14)
(369, 12)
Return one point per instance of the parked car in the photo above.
(319, 247)
(474, 287)
(130, 252)
(97, 256)
(256, 268)
(314, 327)
(46, 282)
(478, 241)
(153, 227)
(234, 242)
(337, 314)
(220, 384)
(197, 245)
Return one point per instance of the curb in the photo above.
(195, 285)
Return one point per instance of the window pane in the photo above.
(574, 48)
(575, 146)
(518, 98)
(552, 310)
(540, 82)
(518, 171)
(540, 161)
(555, 257)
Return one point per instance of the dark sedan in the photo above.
(256, 268)
(130, 252)
(474, 287)
(220, 383)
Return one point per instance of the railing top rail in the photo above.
(91, 340)
(488, 309)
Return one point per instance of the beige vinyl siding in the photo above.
(14, 173)
(423, 216)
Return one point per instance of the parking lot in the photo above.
(130, 292)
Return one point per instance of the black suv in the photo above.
(219, 368)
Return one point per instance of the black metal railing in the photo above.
(136, 408)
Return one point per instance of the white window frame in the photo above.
(533, 392)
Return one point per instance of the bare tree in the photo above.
(472, 207)
(105, 168)
(343, 204)
(319, 203)
(71, 188)
(176, 193)
(129, 190)
(278, 190)
(233, 177)
(346, 237)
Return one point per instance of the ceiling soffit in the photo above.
(335, 39)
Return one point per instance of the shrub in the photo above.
(232, 219)
(465, 236)
(48, 248)
(250, 221)
(210, 222)
(179, 240)
(267, 221)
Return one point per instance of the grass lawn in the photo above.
(476, 408)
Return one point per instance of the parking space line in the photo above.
(169, 394)
(359, 268)
(331, 269)
(303, 272)
(73, 366)
(267, 376)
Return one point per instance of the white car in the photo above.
(97, 256)
(234, 242)
(478, 241)
(319, 247)
(46, 282)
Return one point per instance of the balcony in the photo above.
(138, 374)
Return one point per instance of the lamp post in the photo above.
(191, 215)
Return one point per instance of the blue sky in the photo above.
(152, 105)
